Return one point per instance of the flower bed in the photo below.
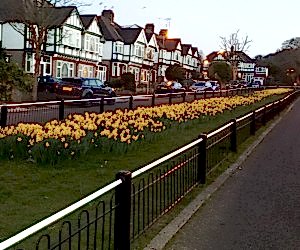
(109, 131)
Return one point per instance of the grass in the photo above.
(29, 192)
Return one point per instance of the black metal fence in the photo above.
(41, 112)
(116, 215)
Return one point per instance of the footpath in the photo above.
(258, 207)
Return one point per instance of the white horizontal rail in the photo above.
(165, 158)
(219, 130)
(258, 110)
(244, 117)
(55, 217)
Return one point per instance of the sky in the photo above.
(268, 23)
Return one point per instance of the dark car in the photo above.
(47, 83)
(83, 88)
(169, 87)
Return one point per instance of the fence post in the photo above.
(264, 118)
(170, 98)
(153, 100)
(3, 120)
(233, 137)
(202, 155)
(183, 96)
(252, 124)
(131, 102)
(122, 214)
(213, 94)
(195, 96)
(204, 94)
(61, 110)
(102, 105)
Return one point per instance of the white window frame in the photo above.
(71, 37)
(118, 48)
(59, 67)
(139, 50)
(101, 73)
(29, 63)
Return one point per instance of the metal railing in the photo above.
(42, 112)
(116, 215)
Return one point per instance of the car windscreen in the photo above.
(199, 84)
(72, 81)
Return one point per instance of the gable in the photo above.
(94, 27)
(74, 20)
(179, 46)
(190, 52)
(142, 37)
(153, 42)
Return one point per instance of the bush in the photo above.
(116, 83)
(175, 72)
(128, 81)
(11, 76)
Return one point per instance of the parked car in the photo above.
(83, 88)
(201, 86)
(169, 87)
(48, 83)
(255, 84)
(215, 85)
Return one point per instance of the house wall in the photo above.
(107, 50)
(1, 32)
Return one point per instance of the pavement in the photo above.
(255, 204)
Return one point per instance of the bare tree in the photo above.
(34, 19)
(231, 46)
(236, 43)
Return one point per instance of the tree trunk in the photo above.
(36, 74)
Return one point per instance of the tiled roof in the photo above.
(185, 48)
(148, 36)
(87, 20)
(59, 15)
(130, 35)
(160, 42)
(171, 44)
(109, 30)
(243, 56)
(27, 12)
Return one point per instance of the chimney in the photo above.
(149, 28)
(109, 14)
(163, 33)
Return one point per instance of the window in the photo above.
(64, 69)
(29, 63)
(150, 54)
(137, 74)
(101, 73)
(71, 37)
(115, 69)
(100, 49)
(118, 48)
(139, 50)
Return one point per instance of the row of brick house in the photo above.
(96, 46)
